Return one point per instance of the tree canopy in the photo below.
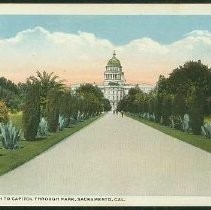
(183, 79)
(10, 94)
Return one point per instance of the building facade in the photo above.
(114, 87)
(113, 84)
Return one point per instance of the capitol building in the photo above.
(114, 87)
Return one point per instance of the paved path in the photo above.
(114, 156)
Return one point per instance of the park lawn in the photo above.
(16, 119)
(195, 140)
(10, 159)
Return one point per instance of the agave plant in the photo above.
(43, 128)
(82, 117)
(78, 116)
(75, 116)
(62, 122)
(206, 130)
(10, 136)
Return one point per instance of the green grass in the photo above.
(195, 140)
(10, 159)
(16, 119)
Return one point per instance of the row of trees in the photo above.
(47, 97)
(10, 93)
(186, 91)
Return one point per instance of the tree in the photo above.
(181, 82)
(139, 102)
(166, 109)
(89, 88)
(191, 75)
(53, 109)
(208, 105)
(133, 91)
(158, 107)
(134, 102)
(66, 105)
(93, 100)
(163, 85)
(10, 94)
(152, 97)
(196, 109)
(123, 104)
(179, 105)
(3, 112)
(47, 81)
(106, 105)
(31, 110)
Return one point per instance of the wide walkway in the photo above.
(114, 156)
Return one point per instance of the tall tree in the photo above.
(53, 109)
(93, 100)
(158, 107)
(10, 94)
(47, 82)
(166, 108)
(179, 105)
(163, 85)
(31, 110)
(191, 74)
(196, 109)
(106, 105)
(66, 105)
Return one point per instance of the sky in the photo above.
(77, 48)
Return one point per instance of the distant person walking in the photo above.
(122, 113)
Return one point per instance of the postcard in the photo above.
(105, 105)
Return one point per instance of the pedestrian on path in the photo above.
(122, 113)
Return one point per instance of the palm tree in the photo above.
(47, 82)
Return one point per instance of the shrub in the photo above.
(3, 112)
(10, 136)
(31, 111)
